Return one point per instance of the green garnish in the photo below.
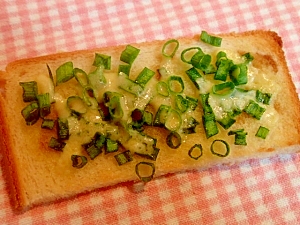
(102, 60)
(48, 124)
(129, 85)
(262, 132)
(238, 74)
(111, 146)
(201, 60)
(76, 105)
(139, 172)
(161, 115)
(190, 125)
(112, 101)
(94, 147)
(30, 90)
(175, 84)
(124, 68)
(44, 104)
(173, 50)
(196, 151)
(173, 121)
(239, 136)
(31, 113)
(210, 125)
(81, 77)
(227, 121)
(223, 88)
(123, 157)
(193, 74)
(64, 73)
(62, 129)
(129, 54)
(227, 148)
(162, 89)
(56, 144)
(181, 103)
(189, 51)
(263, 97)
(144, 77)
(173, 140)
(78, 161)
(254, 110)
(209, 39)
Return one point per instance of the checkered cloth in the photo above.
(254, 192)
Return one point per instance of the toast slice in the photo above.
(201, 124)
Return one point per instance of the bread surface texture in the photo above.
(38, 174)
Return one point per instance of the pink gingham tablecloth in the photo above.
(254, 192)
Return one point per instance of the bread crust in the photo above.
(51, 184)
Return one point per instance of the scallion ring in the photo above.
(223, 88)
(189, 50)
(138, 170)
(167, 45)
(173, 140)
(78, 161)
(175, 84)
(196, 147)
(220, 154)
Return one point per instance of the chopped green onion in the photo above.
(123, 157)
(181, 103)
(104, 111)
(209, 39)
(227, 121)
(223, 88)
(173, 140)
(30, 90)
(192, 102)
(198, 149)
(129, 85)
(81, 77)
(205, 105)
(44, 104)
(263, 97)
(161, 115)
(124, 69)
(97, 76)
(262, 132)
(167, 45)
(176, 84)
(201, 61)
(78, 161)
(238, 74)
(193, 74)
(144, 77)
(227, 148)
(111, 146)
(162, 89)
(221, 56)
(56, 144)
(89, 97)
(129, 54)
(99, 140)
(76, 105)
(210, 125)
(50, 73)
(148, 118)
(240, 136)
(48, 124)
(64, 73)
(94, 147)
(31, 113)
(102, 60)
(254, 110)
(112, 100)
(147, 146)
(138, 171)
(223, 69)
(188, 50)
(248, 57)
(173, 121)
(190, 126)
(62, 129)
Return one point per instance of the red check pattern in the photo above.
(254, 192)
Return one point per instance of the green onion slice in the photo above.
(97, 76)
(223, 88)
(175, 84)
(173, 140)
(170, 44)
(189, 51)
(193, 74)
(223, 69)
(240, 136)
(173, 121)
(201, 61)
(81, 77)
(48, 124)
(50, 73)
(111, 146)
(44, 104)
(102, 60)
(181, 103)
(189, 126)
(263, 97)
(213, 146)
(31, 113)
(192, 102)
(196, 151)
(262, 132)
(248, 57)
(209, 39)
(56, 144)
(226, 121)
(129, 85)
(76, 105)
(30, 90)
(238, 74)
(78, 161)
(94, 147)
(254, 110)
(123, 157)
(144, 77)
(112, 101)
(210, 125)
(62, 129)
(124, 68)
(64, 73)
(129, 54)
(142, 171)
(162, 88)
(161, 115)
